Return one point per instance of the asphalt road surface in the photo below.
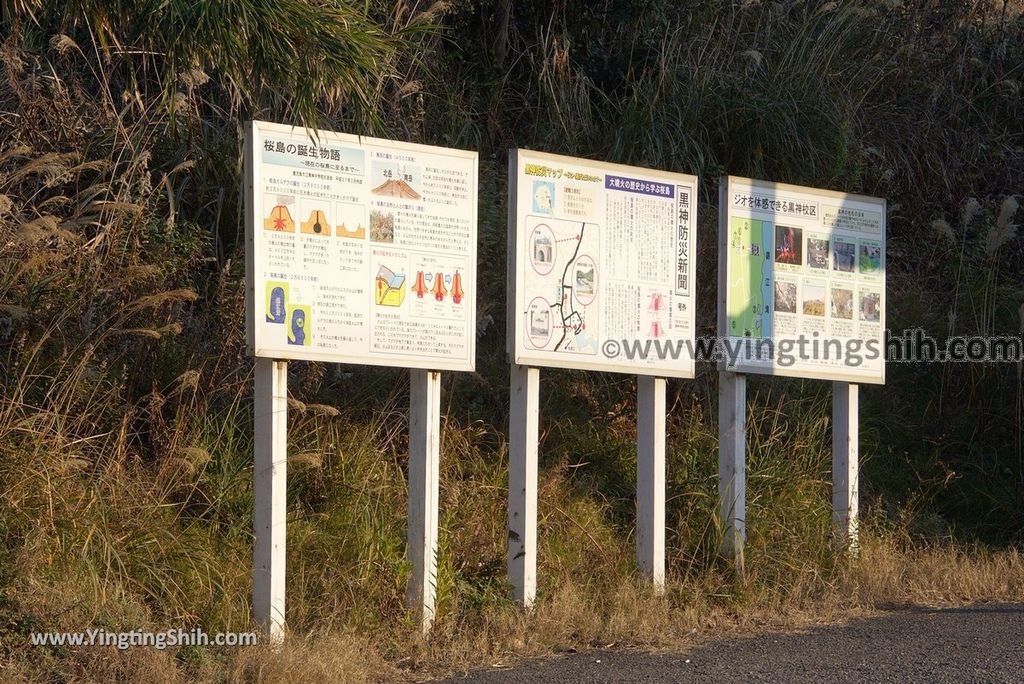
(975, 644)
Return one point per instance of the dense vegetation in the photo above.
(125, 420)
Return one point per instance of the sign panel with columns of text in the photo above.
(601, 266)
(360, 250)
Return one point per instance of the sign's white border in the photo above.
(867, 375)
(519, 353)
(252, 178)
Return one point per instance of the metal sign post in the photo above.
(270, 416)
(845, 465)
(523, 425)
(732, 468)
(650, 479)
(424, 489)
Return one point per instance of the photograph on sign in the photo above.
(802, 281)
(360, 250)
(601, 265)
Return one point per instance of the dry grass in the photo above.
(935, 575)
(887, 575)
(328, 658)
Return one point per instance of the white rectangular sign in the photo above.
(802, 281)
(601, 265)
(359, 250)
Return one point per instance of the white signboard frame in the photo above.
(363, 251)
(383, 299)
(550, 193)
(599, 256)
(817, 223)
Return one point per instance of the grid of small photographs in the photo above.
(826, 283)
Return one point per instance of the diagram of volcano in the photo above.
(396, 188)
(317, 224)
(280, 220)
(390, 288)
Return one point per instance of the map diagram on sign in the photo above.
(750, 278)
(561, 285)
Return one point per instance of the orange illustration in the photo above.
(419, 287)
(355, 232)
(439, 289)
(457, 291)
(396, 188)
(280, 220)
(317, 224)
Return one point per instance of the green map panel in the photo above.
(749, 278)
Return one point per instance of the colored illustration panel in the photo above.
(316, 222)
(389, 288)
(350, 222)
(359, 250)
(300, 322)
(278, 217)
(277, 301)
